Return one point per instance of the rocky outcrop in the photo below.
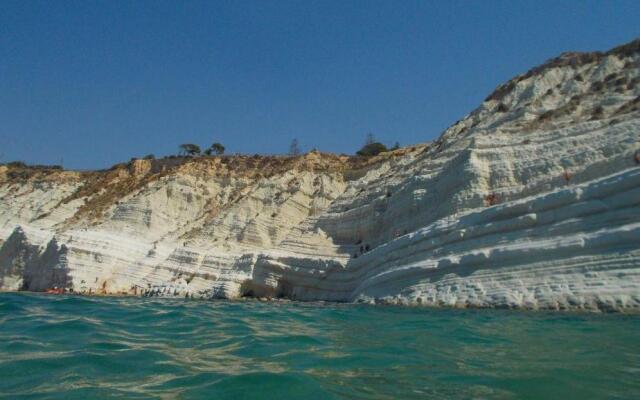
(530, 201)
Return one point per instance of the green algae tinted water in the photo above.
(60, 347)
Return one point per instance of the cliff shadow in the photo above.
(15, 253)
(48, 271)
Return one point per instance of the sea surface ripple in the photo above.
(67, 347)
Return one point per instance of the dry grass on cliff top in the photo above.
(104, 188)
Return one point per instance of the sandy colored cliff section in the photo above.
(530, 201)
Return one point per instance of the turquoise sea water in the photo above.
(65, 347)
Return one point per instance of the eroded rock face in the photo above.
(530, 201)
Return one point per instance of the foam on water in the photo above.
(61, 347)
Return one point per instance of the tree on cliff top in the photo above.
(189, 149)
(370, 139)
(371, 147)
(294, 148)
(216, 148)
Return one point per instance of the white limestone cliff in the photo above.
(530, 201)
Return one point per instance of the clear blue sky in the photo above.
(98, 82)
